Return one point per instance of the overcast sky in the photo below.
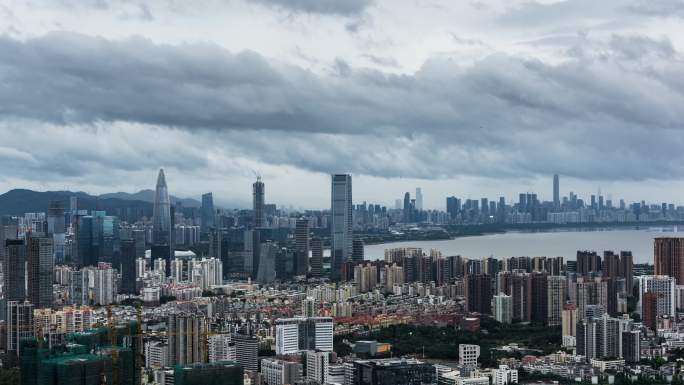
(466, 98)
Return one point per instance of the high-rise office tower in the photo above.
(40, 265)
(452, 207)
(9, 229)
(161, 214)
(207, 213)
(139, 237)
(357, 251)
(668, 254)
(556, 191)
(186, 338)
(341, 226)
(55, 219)
(14, 270)
(301, 333)
(407, 208)
(258, 191)
(301, 246)
(247, 351)
(540, 297)
(162, 246)
(419, 199)
(316, 257)
(127, 266)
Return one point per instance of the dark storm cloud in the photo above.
(504, 116)
(326, 7)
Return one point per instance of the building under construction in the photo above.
(98, 356)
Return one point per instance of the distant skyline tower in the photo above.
(419, 199)
(56, 221)
(258, 191)
(161, 214)
(556, 191)
(341, 226)
(407, 207)
(162, 246)
(207, 213)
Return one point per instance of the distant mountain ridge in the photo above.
(148, 196)
(125, 205)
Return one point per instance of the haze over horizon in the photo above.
(473, 99)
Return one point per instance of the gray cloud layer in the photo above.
(600, 114)
(331, 7)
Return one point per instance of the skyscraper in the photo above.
(556, 299)
(40, 265)
(503, 308)
(478, 293)
(300, 333)
(419, 199)
(14, 265)
(556, 192)
(407, 207)
(258, 190)
(247, 351)
(207, 213)
(56, 222)
(669, 258)
(302, 246)
(161, 214)
(161, 222)
(341, 226)
(316, 257)
(357, 251)
(127, 266)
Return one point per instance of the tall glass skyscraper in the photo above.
(258, 191)
(161, 214)
(207, 214)
(556, 192)
(341, 226)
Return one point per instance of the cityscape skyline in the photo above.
(389, 197)
(341, 192)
